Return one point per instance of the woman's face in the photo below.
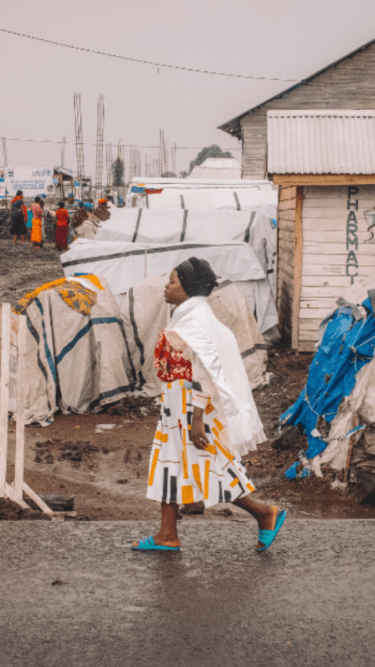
(174, 293)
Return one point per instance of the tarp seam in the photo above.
(184, 225)
(150, 251)
(139, 216)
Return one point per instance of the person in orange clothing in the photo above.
(62, 222)
(37, 231)
(18, 217)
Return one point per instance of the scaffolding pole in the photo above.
(79, 136)
(99, 145)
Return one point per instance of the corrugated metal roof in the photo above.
(321, 142)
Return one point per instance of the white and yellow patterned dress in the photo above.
(180, 473)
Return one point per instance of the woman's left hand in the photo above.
(197, 432)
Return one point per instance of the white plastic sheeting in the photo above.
(194, 184)
(210, 199)
(358, 407)
(145, 314)
(216, 226)
(214, 167)
(125, 265)
(168, 226)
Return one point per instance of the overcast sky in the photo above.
(288, 39)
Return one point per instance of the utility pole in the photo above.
(63, 152)
(5, 154)
(173, 158)
(109, 161)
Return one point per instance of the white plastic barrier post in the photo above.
(9, 386)
(4, 391)
(20, 408)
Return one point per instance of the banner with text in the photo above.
(31, 180)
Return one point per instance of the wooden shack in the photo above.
(343, 84)
(324, 164)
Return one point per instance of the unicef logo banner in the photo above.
(31, 180)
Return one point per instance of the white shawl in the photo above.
(217, 349)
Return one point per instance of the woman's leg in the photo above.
(168, 530)
(265, 515)
(15, 239)
(23, 238)
(167, 534)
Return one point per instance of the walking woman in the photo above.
(37, 225)
(208, 416)
(18, 218)
(62, 222)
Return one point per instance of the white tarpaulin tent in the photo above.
(79, 362)
(169, 226)
(215, 167)
(194, 184)
(237, 199)
(75, 362)
(145, 314)
(125, 265)
(212, 226)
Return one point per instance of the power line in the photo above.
(71, 143)
(145, 62)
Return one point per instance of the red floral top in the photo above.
(169, 363)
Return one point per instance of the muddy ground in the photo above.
(105, 469)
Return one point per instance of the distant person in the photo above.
(62, 222)
(18, 217)
(37, 228)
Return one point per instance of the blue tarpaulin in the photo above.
(348, 344)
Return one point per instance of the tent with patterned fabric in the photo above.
(72, 332)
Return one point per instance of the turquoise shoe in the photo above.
(148, 544)
(266, 537)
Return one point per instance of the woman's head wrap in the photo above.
(196, 277)
(19, 193)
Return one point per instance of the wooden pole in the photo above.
(4, 393)
(298, 258)
(145, 269)
(352, 442)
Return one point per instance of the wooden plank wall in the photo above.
(335, 254)
(286, 256)
(254, 145)
(344, 86)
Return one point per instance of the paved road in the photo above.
(308, 601)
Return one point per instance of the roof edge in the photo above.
(233, 126)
